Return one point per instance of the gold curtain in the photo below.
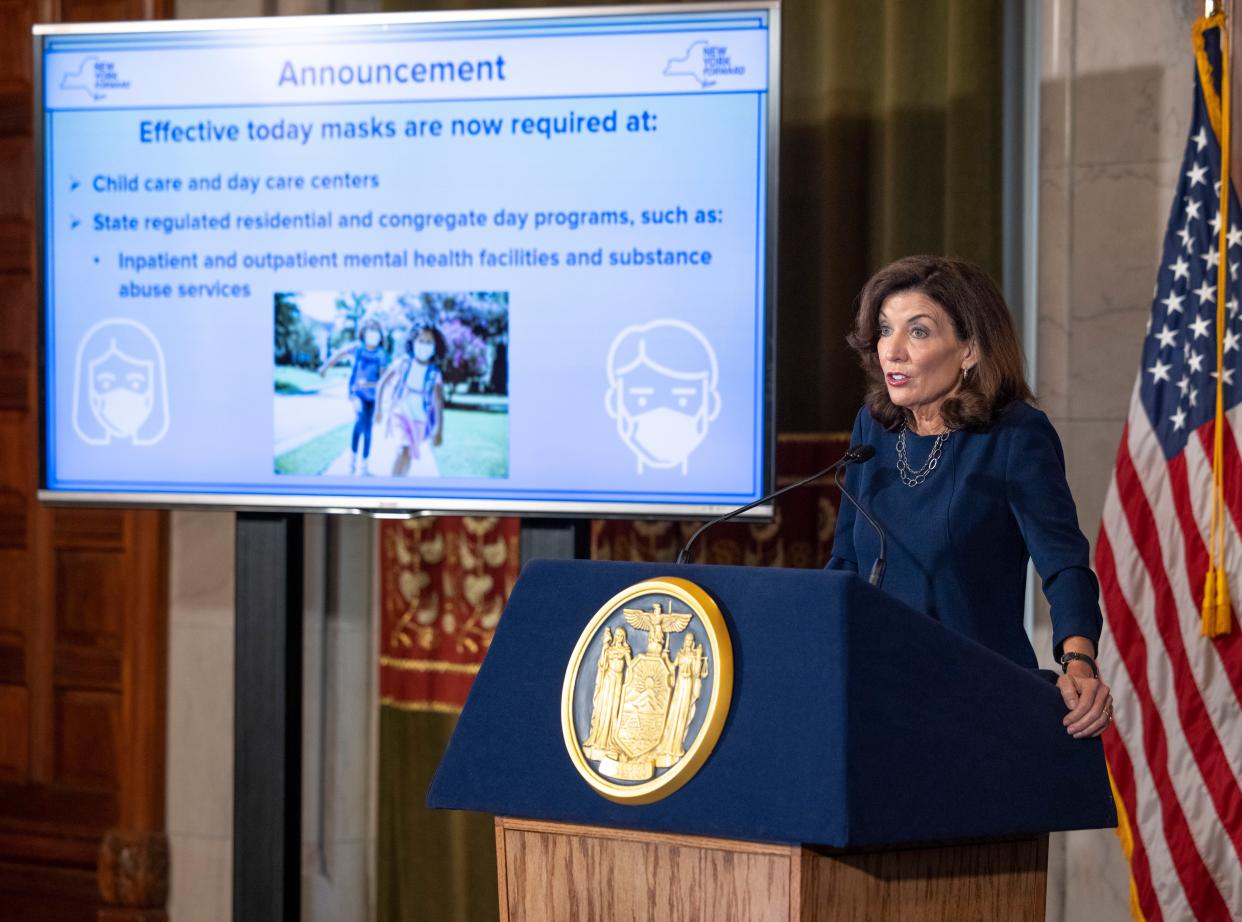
(890, 145)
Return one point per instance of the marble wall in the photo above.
(200, 716)
(339, 725)
(1116, 83)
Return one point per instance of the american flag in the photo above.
(1175, 749)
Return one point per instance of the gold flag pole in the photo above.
(1216, 602)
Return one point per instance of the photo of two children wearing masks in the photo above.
(391, 384)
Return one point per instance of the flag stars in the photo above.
(1201, 138)
(1188, 240)
(1215, 222)
(1167, 337)
(1193, 397)
(1211, 259)
(1183, 384)
(1174, 302)
(1181, 269)
(1196, 363)
(1231, 341)
(1159, 371)
(1200, 325)
(1234, 237)
(1192, 209)
(1228, 376)
(1232, 306)
(1206, 293)
(1178, 419)
(1197, 174)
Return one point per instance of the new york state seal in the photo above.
(647, 690)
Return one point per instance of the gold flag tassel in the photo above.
(1216, 609)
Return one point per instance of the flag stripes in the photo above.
(1158, 812)
(1188, 662)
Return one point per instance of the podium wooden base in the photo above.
(550, 872)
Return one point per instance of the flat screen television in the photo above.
(481, 262)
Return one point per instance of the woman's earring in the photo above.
(964, 371)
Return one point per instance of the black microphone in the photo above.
(881, 562)
(855, 454)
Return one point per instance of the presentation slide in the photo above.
(496, 264)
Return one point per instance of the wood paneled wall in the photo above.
(83, 603)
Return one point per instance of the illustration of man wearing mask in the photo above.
(120, 388)
(662, 392)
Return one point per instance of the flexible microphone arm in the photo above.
(881, 562)
(853, 455)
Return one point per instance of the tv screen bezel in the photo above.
(413, 504)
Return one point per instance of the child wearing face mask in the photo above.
(370, 361)
(418, 398)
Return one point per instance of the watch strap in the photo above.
(1067, 658)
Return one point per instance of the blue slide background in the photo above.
(707, 152)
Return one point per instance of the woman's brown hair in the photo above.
(977, 311)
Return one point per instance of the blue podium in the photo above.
(874, 764)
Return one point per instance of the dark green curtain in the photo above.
(433, 865)
(890, 145)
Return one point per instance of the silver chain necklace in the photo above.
(909, 476)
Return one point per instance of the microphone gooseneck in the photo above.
(881, 562)
(855, 454)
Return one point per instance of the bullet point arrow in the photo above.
(73, 222)
(73, 184)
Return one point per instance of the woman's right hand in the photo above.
(1089, 703)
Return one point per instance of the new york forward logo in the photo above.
(704, 62)
(94, 77)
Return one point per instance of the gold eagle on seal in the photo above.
(642, 705)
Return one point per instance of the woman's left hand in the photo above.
(1090, 705)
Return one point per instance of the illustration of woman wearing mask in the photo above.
(370, 360)
(418, 397)
(120, 390)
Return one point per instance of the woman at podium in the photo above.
(968, 476)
